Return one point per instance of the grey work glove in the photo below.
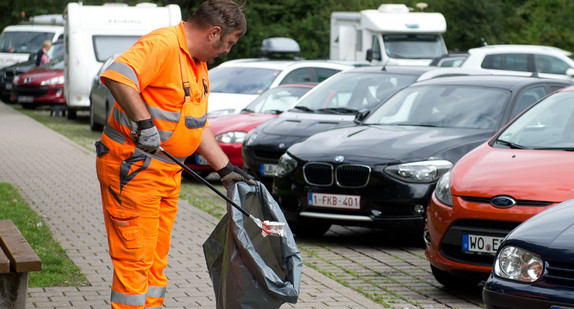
(230, 174)
(146, 137)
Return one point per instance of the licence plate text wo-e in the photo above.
(480, 244)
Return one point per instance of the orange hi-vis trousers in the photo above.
(139, 197)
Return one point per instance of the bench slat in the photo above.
(4, 263)
(21, 255)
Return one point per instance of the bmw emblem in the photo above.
(281, 146)
(502, 201)
(339, 158)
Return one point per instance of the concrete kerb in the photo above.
(57, 178)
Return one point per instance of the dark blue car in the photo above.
(534, 268)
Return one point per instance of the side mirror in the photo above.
(570, 72)
(369, 55)
(361, 115)
(373, 55)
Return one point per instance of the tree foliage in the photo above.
(469, 23)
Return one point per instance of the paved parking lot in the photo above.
(57, 178)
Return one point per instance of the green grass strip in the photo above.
(57, 268)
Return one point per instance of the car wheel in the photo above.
(309, 229)
(451, 281)
(94, 126)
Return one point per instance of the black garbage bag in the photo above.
(249, 270)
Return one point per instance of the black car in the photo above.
(8, 73)
(534, 267)
(332, 103)
(382, 172)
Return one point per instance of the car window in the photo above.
(527, 98)
(23, 41)
(323, 74)
(355, 91)
(548, 124)
(511, 62)
(106, 46)
(297, 76)
(550, 64)
(244, 80)
(455, 106)
(277, 99)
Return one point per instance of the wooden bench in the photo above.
(17, 258)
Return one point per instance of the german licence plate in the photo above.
(334, 200)
(268, 169)
(480, 244)
(25, 99)
(200, 160)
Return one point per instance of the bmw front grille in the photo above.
(344, 175)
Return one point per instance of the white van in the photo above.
(20, 42)
(94, 33)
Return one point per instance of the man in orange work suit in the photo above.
(161, 88)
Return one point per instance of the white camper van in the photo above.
(94, 33)
(389, 35)
(20, 42)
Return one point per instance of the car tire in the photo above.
(94, 126)
(309, 229)
(450, 281)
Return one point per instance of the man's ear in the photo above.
(214, 33)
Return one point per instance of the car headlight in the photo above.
(286, 164)
(251, 136)
(419, 172)
(442, 190)
(231, 137)
(517, 264)
(53, 81)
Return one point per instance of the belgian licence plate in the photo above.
(480, 244)
(25, 99)
(268, 169)
(334, 200)
(560, 307)
(200, 160)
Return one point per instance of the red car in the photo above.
(521, 171)
(230, 130)
(40, 86)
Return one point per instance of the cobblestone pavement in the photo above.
(57, 178)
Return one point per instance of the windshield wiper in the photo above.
(338, 110)
(304, 108)
(509, 144)
(555, 148)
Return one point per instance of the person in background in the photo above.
(161, 88)
(42, 56)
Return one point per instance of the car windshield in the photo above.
(547, 125)
(276, 100)
(55, 64)
(453, 106)
(23, 41)
(413, 46)
(353, 91)
(244, 80)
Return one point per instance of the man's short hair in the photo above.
(223, 13)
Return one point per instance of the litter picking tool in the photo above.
(272, 228)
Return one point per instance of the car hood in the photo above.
(390, 144)
(42, 74)
(548, 234)
(237, 122)
(488, 172)
(234, 102)
(305, 124)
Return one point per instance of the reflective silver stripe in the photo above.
(152, 307)
(114, 134)
(123, 119)
(126, 71)
(164, 135)
(160, 114)
(130, 300)
(161, 157)
(195, 123)
(156, 291)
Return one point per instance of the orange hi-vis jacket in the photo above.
(154, 73)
